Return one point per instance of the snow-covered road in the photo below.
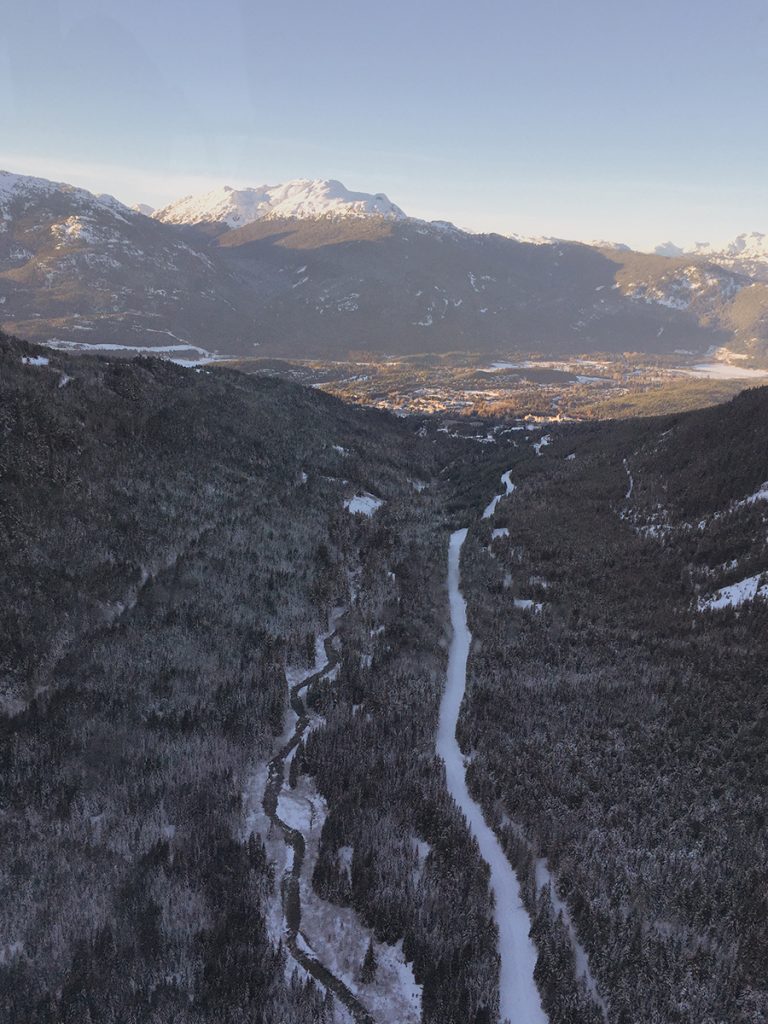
(519, 999)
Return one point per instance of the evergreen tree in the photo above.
(370, 964)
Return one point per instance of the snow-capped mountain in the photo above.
(79, 267)
(747, 253)
(669, 249)
(303, 198)
(22, 189)
(753, 246)
(309, 268)
(602, 243)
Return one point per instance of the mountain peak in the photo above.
(24, 186)
(752, 245)
(302, 198)
(668, 249)
(602, 243)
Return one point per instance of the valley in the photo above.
(383, 513)
(242, 791)
(520, 385)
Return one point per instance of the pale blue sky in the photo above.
(589, 119)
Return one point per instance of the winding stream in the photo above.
(519, 999)
(293, 838)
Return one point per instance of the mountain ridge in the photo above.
(747, 252)
(301, 197)
(83, 270)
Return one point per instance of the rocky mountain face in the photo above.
(722, 293)
(312, 269)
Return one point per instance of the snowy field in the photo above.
(723, 371)
(171, 352)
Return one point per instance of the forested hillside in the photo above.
(170, 539)
(616, 720)
(175, 544)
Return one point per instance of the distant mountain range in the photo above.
(309, 268)
(747, 253)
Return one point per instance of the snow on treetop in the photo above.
(300, 198)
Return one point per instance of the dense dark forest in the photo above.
(171, 539)
(618, 726)
(375, 763)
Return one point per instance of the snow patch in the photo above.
(491, 506)
(760, 495)
(301, 811)
(631, 484)
(723, 371)
(363, 504)
(736, 594)
(509, 487)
